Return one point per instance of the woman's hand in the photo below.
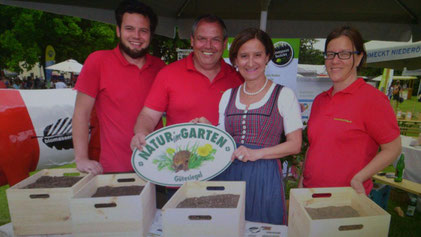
(357, 185)
(246, 154)
(201, 120)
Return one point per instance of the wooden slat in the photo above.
(405, 185)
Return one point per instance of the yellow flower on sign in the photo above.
(208, 146)
(170, 151)
(203, 151)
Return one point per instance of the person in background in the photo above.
(17, 83)
(2, 83)
(349, 122)
(116, 82)
(60, 84)
(396, 95)
(257, 114)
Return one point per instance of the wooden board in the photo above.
(224, 222)
(373, 220)
(405, 185)
(113, 216)
(42, 210)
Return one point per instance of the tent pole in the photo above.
(263, 20)
(264, 6)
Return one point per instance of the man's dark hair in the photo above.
(134, 6)
(210, 19)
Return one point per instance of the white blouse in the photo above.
(288, 107)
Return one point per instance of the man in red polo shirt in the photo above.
(192, 87)
(116, 82)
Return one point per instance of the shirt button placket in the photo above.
(243, 122)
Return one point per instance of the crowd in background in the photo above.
(56, 82)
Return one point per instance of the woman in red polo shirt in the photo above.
(349, 122)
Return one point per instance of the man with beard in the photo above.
(116, 83)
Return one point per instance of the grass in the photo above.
(402, 226)
(4, 207)
(408, 105)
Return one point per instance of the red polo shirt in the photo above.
(184, 93)
(345, 131)
(120, 90)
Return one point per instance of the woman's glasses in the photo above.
(341, 55)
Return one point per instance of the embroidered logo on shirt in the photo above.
(343, 120)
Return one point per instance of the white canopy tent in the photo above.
(379, 78)
(376, 19)
(307, 70)
(69, 65)
(416, 72)
(396, 55)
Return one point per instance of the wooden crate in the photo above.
(113, 216)
(373, 220)
(43, 210)
(177, 222)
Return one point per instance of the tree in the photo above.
(309, 55)
(166, 48)
(26, 33)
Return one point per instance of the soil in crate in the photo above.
(214, 201)
(108, 191)
(54, 182)
(332, 212)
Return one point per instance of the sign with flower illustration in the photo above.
(183, 152)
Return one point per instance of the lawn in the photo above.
(411, 105)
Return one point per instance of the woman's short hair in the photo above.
(356, 39)
(249, 34)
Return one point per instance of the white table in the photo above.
(412, 160)
(252, 229)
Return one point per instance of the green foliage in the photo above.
(166, 48)
(4, 207)
(164, 161)
(309, 55)
(25, 33)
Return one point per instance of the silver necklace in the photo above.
(254, 93)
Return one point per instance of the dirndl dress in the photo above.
(258, 128)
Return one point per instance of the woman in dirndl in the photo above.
(256, 114)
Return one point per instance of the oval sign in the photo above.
(183, 152)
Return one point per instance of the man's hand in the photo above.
(89, 166)
(138, 141)
(201, 120)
